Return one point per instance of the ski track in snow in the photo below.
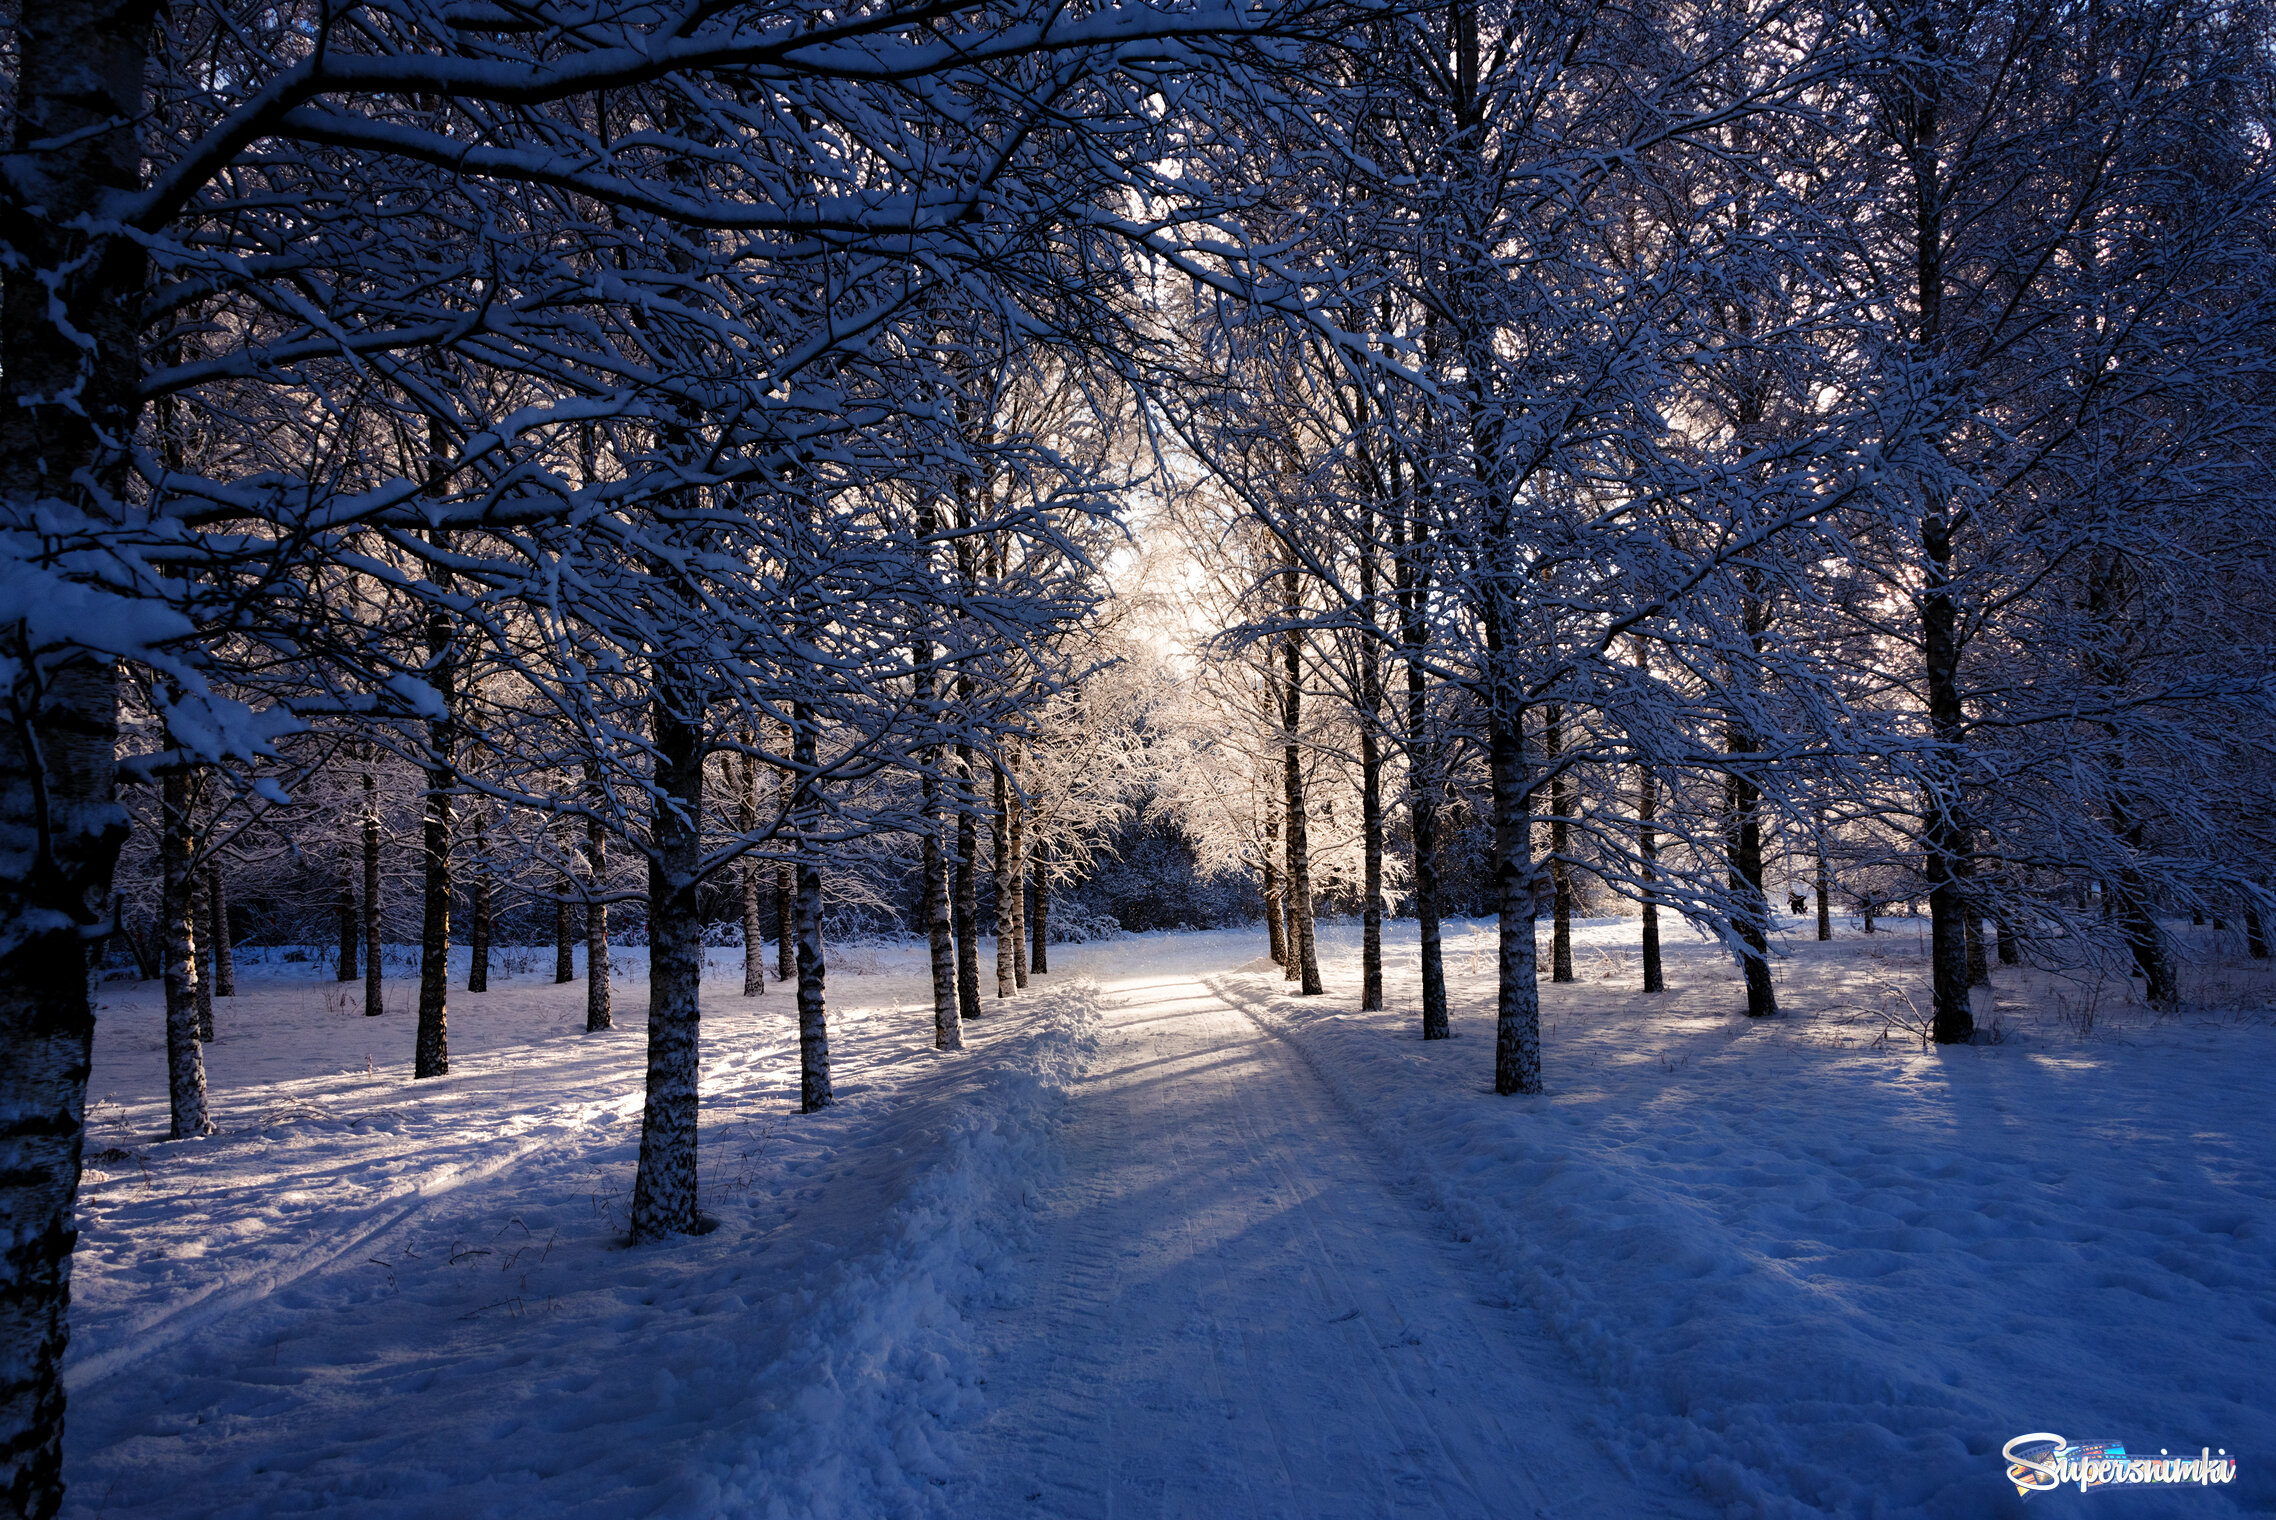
(1168, 1241)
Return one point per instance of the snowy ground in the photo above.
(1169, 1241)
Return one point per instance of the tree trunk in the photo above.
(1750, 907)
(2136, 916)
(1825, 888)
(1979, 967)
(478, 912)
(786, 922)
(747, 878)
(1560, 841)
(1304, 961)
(1648, 847)
(72, 298)
(1517, 1006)
(1039, 924)
(940, 929)
(2131, 906)
(1275, 915)
(1370, 716)
(1301, 945)
(2151, 959)
(598, 1015)
(1946, 838)
(1019, 874)
(940, 935)
(217, 914)
(1422, 805)
(433, 1054)
(201, 956)
(185, 1057)
(1422, 796)
(2010, 951)
(940, 932)
(2255, 935)
(1000, 840)
(344, 909)
(1294, 971)
(1371, 832)
(664, 1189)
(564, 936)
(814, 1091)
(54, 898)
(786, 890)
(373, 985)
(967, 907)
(139, 945)
(1744, 843)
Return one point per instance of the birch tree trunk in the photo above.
(217, 914)
(664, 1190)
(1001, 840)
(564, 936)
(1825, 888)
(55, 873)
(72, 296)
(201, 976)
(433, 1059)
(1648, 851)
(373, 966)
(1275, 915)
(1019, 874)
(1422, 818)
(1410, 585)
(1750, 907)
(967, 915)
(1517, 1002)
(786, 888)
(1039, 926)
(1370, 718)
(478, 912)
(1560, 838)
(1301, 947)
(598, 1015)
(1744, 842)
(747, 879)
(185, 1057)
(344, 910)
(814, 1092)
(1371, 829)
(940, 937)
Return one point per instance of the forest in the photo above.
(661, 501)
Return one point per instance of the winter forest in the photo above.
(1206, 757)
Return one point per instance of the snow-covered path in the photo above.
(1238, 1313)
(1166, 1239)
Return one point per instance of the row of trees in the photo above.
(1725, 431)
(683, 437)
(684, 441)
